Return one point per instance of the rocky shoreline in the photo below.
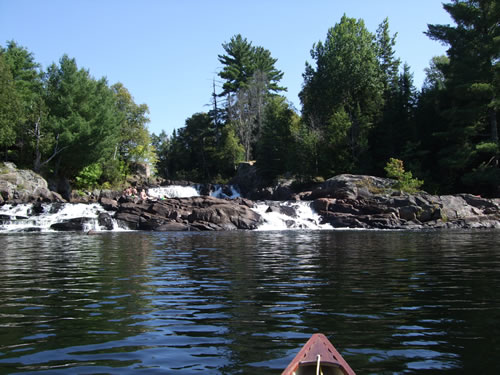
(344, 201)
(355, 201)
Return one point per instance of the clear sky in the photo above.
(165, 51)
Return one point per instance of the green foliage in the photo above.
(10, 108)
(434, 75)
(483, 180)
(306, 144)
(488, 148)
(199, 151)
(359, 108)
(230, 154)
(162, 145)
(63, 120)
(405, 181)
(344, 90)
(389, 65)
(241, 61)
(275, 146)
(134, 143)
(82, 115)
(114, 171)
(466, 92)
(88, 177)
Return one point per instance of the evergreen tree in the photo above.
(28, 83)
(162, 144)
(195, 151)
(10, 108)
(385, 136)
(431, 122)
(470, 106)
(241, 61)
(389, 65)
(276, 145)
(82, 117)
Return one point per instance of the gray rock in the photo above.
(195, 213)
(24, 186)
(108, 204)
(348, 186)
(77, 224)
(408, 213)
(369, 202)
(105, 221)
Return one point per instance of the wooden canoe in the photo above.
(318, 356)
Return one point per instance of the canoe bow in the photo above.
(330, 360)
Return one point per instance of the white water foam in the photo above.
(173, 191)
(178, 191)
(17, 218)
(220, 192)
(304, 218)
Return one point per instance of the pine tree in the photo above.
(470, 140)
(241, 61)
(10, 109)
(28, 84)
(275, 148)
(82, 116)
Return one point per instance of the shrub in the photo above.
(405, 181)
(88, 177)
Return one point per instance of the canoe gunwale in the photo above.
(318, 344)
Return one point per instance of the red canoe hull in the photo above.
(330, 360)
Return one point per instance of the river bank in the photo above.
(344, 201)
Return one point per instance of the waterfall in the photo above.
(289, 215)
(49, 216)
(178, 191)
(173, 191)
(32, 217)
(225, 191)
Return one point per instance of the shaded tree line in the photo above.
(360, 109)
(64, 123)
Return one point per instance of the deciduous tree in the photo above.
(343, 89)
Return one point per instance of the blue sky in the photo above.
(165, 51)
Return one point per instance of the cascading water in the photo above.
(289, 216)
(173, 191)
(28, 217)
(177, 191)
(229, 192)
(40, 217)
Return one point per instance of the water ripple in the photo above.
(245, 302)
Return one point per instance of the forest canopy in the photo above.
(360, 109)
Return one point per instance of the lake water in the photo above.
(245, 302)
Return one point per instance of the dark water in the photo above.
(245, 302)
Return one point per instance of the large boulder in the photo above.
(371, 202)
(408, 212)
(21, 186)
(195, 213)
(349, 186)
(247, 178)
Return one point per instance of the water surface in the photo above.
(245, 302)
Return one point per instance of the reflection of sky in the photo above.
(245, 301)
